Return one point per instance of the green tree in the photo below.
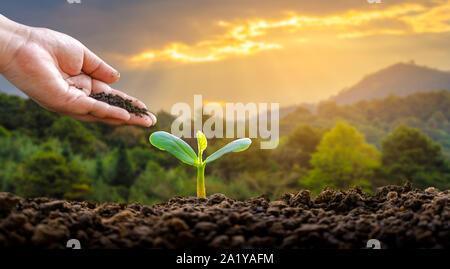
(49, 174)
(80, 139)
(11, 111)
(408, 154)
(231, 166)
(156, 184)
(4, 132)
(15, 148)
(99, 169)
(297, 147)
(124, 175)
(35, 120)
(132, 136)
(67, 151)
(343, 159)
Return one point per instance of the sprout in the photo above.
(181, 150)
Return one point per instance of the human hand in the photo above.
(50, 67)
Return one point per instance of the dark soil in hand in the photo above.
(398, 217)
(117, 100)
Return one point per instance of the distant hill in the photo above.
(400, 79)
(427, 111)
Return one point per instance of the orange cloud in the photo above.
(254, 36)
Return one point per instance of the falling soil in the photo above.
(116, 100)
(398, 217)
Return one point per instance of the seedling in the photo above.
(181, 150)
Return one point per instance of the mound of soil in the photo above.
(398, 217)
(116, 100)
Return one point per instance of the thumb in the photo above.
(98, 69)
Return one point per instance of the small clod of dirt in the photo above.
(116, 100)
(399, 217)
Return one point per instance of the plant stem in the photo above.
(201, 191)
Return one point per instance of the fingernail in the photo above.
(115, 73)
(153, 118)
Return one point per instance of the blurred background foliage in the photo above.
(369, 144)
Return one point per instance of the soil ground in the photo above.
(399, 217)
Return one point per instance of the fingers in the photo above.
(87, 105)
(83, 104)
(144, 120)
(87, 84)
(134, 120)
(98, 69)
(82, 82)
(99, 86)
(90, 118)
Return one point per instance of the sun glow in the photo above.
(250, 37)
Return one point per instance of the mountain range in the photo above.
(400, 79)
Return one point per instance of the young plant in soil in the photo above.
(184, 152)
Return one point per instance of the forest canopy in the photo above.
(369, 144)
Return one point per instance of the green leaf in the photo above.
(202, 143)
(174, 145)
(235, 146)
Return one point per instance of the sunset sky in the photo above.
(287, 51)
